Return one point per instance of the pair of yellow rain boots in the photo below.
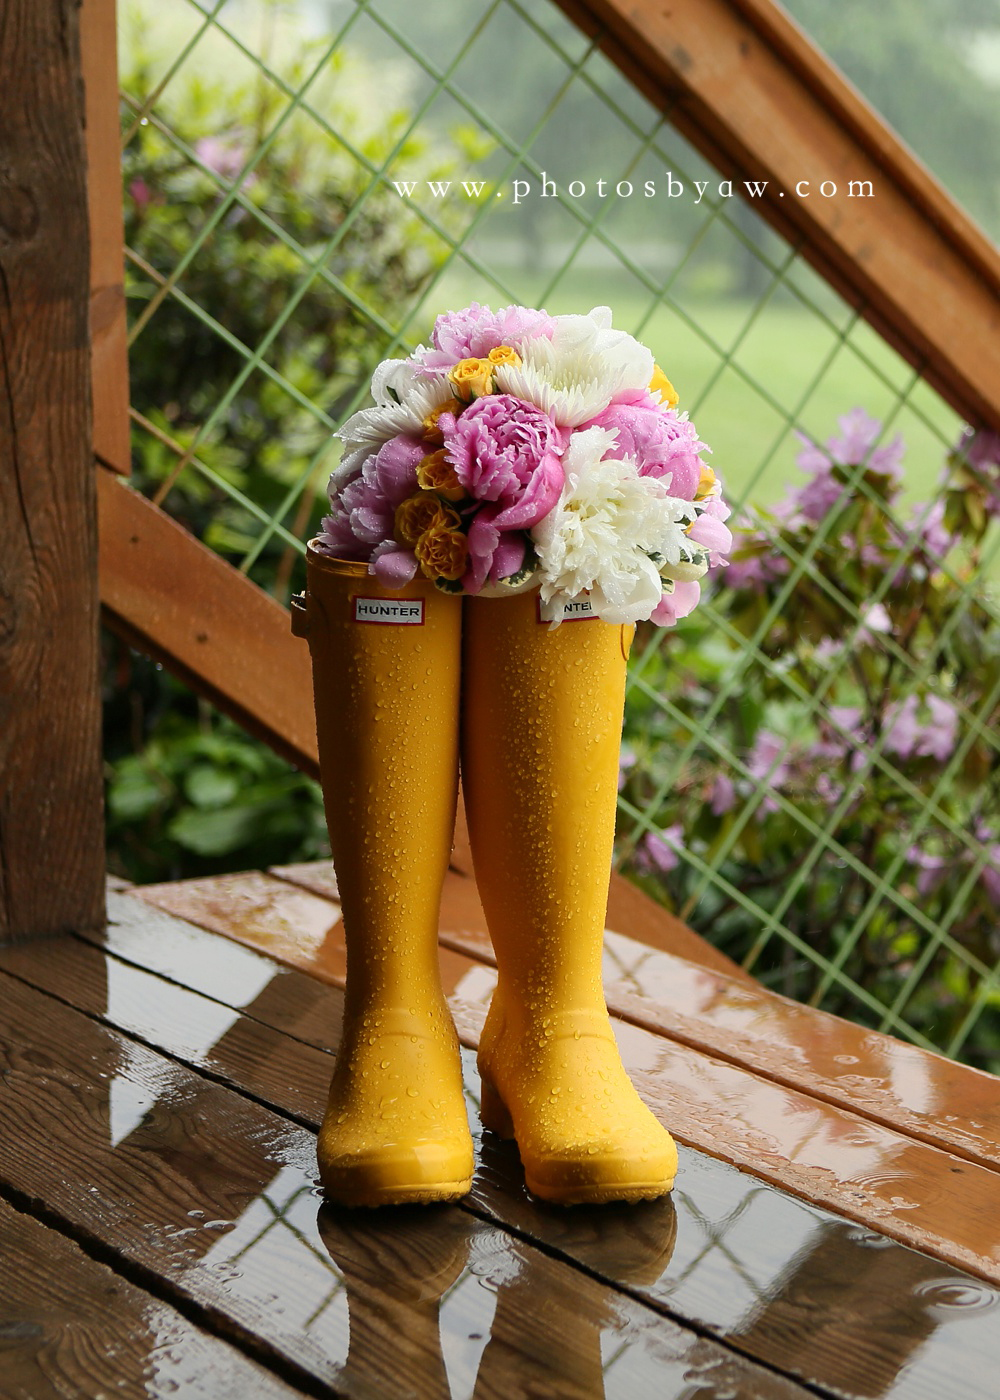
(403, 681)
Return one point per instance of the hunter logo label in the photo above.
(578, 610)
(390, 612)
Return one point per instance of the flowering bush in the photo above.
(525, 450)
(862, 715)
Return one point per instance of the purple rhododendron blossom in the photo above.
(932, 532)
(827, 790)
(909, 737)
(875, 619)
(626, 762)
(659, 441)
(856, 441)
(981, 450)
(756, 571)
(931, 868)
(723, 794)
(764, 764)
(475, 331)
(659, 851)
(853, 446)
(226, 155)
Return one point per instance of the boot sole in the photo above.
(419, 1194)
(599, 1195)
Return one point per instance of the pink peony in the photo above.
(474, 332)
(498, 446)
(363, 513)
(659, 441)
(677, 604)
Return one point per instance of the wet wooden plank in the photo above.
(215, 1195)
(902, 1087)
(869, 1172)
(730, 1255)
(70, 1326)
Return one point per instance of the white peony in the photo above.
(576, 374)
(609, 534)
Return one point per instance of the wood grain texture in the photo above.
(108, 322)
(51, 825)
(839, 1307)
(213, 1194)
(71, 1327)
(753, 94)
(871, 1173)
(170, 596)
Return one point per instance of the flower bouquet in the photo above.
(523, 450)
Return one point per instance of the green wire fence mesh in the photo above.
(810, 766)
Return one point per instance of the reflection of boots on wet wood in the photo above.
(542, 714)
(386, 683)
(396, 1273)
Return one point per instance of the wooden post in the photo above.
(51, 827)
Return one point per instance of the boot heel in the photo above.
(493, 1112)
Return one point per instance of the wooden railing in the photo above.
(746, 87)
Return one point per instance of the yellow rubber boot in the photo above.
(541, 725)
(386, 684)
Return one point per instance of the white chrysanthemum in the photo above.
(609, 534)
(576, 374)
(403, 400)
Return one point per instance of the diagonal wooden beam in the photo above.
(170, 596)
(746, 87)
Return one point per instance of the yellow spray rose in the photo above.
(442, 552)
(504, 355)
(435, 473)
(472, 378)
(420, 513)
(660, 381)
(432, 433)
(706, 483)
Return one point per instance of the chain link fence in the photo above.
(810, 766)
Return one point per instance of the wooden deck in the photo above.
(835, 1229)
